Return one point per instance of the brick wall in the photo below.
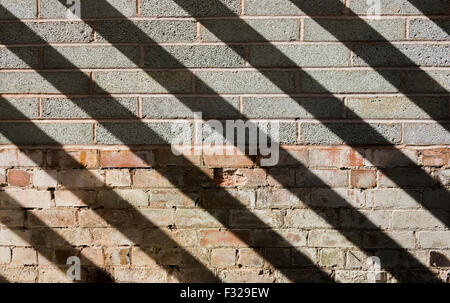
(86, 115)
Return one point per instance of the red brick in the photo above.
(435, 157)
(232, 158)
(363, 178)
(335, 157)
(72, 158)
(18, 177)
(126, 158)
(243, 177)
(218, 238)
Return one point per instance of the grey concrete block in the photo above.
(184, 107)
(342, 81)
(294, 7)
(354, 30)
(18, 9)
(245, 82)
(89, 108)
(398, 108)
(142, 133)
(90, 8)
(426, 133)
(145, 31)
(433, 81)
(46, 133)
(193, 56)
(350, 133)
(250, 30)
(402, 55)
(170, 8)
(45, 82)
(19, 57)
(143, 82)
(265, 107)
(287, 133)
(402, 7)
(41, 32)
(425, 29)
(299, 55)
(91, 56)
(20, 108)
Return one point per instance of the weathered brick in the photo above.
(122, 198)
(380, 239)
(249, 258)
(51, 218)
(105, 218)
(74, 198)
(78, 178)
(223, 257)
(223, 238)
(434, 239)
(255, 218)
(5, 255)
(250, 30)
(274, 198)
(45, 178)
(363, 178)
(305, 218)
(126, 158)
(241, 177)
(281, 177)
(18, 177)
(195, 218)
(365, 219)
(440, 258)
(393, 198)
(76, 158)
(140, 275)
(435, 157)
(443, 176)
(246, 276)
(332, 257)
(12, 218)
(157, 217)
(28, 198)
(118, 177)
(338, 197)
(390, 157)
(117, 256)
(331, 238)
(168, 198)
(24, 256)
(404, 178)
(228, 198)
(416, 219)
(321, 178)
(335, 157)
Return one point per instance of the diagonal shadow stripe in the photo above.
(3, 279)
(422, 6)
(347, 135)
(206, 275)
(41, 239)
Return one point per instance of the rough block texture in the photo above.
(90, 105)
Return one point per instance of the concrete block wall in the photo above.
(86, 114)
